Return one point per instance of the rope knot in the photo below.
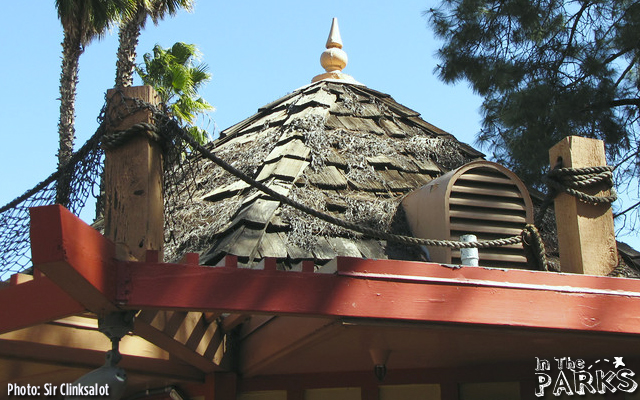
(576, 181)
(117, 139)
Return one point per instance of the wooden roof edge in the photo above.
(470, 150)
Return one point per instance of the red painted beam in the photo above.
(81, 262)
(34, 302)
(74, 256)
(388, 269)
(418, 298)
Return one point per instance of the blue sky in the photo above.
(257, 51)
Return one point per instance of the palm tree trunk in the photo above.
(128, 38)
(71, 51)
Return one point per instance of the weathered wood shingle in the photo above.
(340, 148)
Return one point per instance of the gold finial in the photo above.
(334, 59)
(334, 39)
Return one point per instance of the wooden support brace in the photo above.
(187, 335)
(34, 302)
(74, 256)
(586, 235)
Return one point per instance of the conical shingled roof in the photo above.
(339, 147)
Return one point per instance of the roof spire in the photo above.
(334, 59)
(334, 40)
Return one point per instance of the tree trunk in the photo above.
(71, 51)
(128, 37)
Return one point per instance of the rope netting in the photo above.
(82, 175)
(84, 171)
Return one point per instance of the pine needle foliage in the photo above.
(546, 69)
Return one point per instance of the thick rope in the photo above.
(573, 180)
(535, 251)
(116, 139)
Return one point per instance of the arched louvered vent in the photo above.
(480, 198)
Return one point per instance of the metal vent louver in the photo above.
(481, 198)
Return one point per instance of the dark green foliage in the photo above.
(546, 69)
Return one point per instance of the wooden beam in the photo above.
(134, 209)
(74, 256)
(494, 372)
(384, 289)
(586, 235)
(233, 320)
(280, 338)
(493, 297)
(34, 302)
(186, 335)
(86, 348)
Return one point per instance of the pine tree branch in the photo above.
(574, 28)
(626, 71)
(625, 102)
(626, 210)
(615, 56)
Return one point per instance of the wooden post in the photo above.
(134, 209)
(586, 236)
(220, 386)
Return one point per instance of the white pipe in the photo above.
(469, 256)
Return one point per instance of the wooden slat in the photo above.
(289, 168)
(226, 191)
(487, 178)
(259, 212)
(404, 164)
(323, 249)
(389, 126)
(271, 245)
(486, 191)
(294, 149)
(344, 247)
(246, 243)
(294, 252)
(334, 158)
(429, 127)
(370, 185)
(494, 203)
(328, 177)
(481, 228)
(426, 165)
(181, 334)
(371, 249)
(487, 215)
(334, 123)
(395, 181)
(380, 160)
(266, 171)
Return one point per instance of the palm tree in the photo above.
(177, 79)
(130, 32)
(82, 21)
